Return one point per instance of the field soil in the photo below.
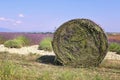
(34, 50)
(25, 50)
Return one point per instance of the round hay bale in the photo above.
(80, 43)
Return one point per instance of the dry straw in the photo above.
(80, 43)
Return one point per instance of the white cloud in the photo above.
(6, 19)
(17, 22)
(12, 21)
(2, 19)
(21, 15)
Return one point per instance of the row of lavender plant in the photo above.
(35, 38)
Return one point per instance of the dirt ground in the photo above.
(34, 50)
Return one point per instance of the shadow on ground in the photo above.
(48, 59)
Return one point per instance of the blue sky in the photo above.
(47, 15)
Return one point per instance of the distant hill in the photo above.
(5, 30)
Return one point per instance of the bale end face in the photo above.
(80, 43)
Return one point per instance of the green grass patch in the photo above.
(18, 42)
(45, 44)
(24, 39)
(13, 44)
(2, 39)
(114, 47)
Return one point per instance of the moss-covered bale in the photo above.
(80, 43)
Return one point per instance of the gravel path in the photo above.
(34, 49)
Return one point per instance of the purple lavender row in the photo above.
(35, 38)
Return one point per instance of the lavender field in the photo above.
(32, 64)
(34, 38)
